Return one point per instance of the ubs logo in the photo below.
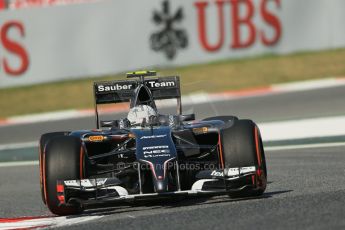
(169, 38)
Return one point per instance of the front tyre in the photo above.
(242, 147)
(63, 159)
(45, 138)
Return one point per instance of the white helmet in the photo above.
(138, 113)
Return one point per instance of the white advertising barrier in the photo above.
(44, 44)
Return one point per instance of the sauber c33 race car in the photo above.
(148, 155)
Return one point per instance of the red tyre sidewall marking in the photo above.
(40, 164)
(44, 175)
(220, 152)
(257, 146)
(260, 175)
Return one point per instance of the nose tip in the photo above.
(161, 186)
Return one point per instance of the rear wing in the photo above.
(118, 91)
(123, 90)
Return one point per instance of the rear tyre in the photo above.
(242, 147)
(42, 143)
(63, 159)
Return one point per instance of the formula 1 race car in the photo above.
(148, 155)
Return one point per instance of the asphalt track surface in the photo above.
(306, 187)
(306, 190)
(276, 107)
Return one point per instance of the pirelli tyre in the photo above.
(42, 143)
(63, 159)
(242, 147)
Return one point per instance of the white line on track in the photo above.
(305, 146)
(18, 163)
(19, 145)
(303, 128)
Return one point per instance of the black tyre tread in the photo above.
(62, 162)
(42, 143)
(239, 148)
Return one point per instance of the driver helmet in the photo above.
(139, 113)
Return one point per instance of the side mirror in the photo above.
(187, 117)
(108, 124)
(120, 124)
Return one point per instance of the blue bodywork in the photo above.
(154, 146)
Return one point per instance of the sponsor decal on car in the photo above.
(153, 137)
(240, 171)
(116, 87)
(96, 138)
(87, 183)
(156, 147)
(156, 151)
(245, 170)
(154, 84)
(217, 173)
(233, 172)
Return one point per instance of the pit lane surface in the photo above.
(306, 190)
(277, 107)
